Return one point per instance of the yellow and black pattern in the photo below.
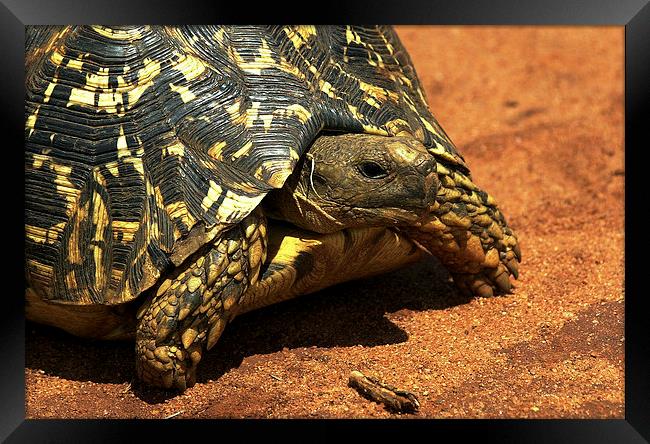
(139, 137)
(194, 304)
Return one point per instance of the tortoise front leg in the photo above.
(470, 236)
(192, 307)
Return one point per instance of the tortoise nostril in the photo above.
(426, 166)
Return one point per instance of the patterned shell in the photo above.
(143, 143)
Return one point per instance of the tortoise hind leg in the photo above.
(191, 308)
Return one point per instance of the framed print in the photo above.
(431, 220)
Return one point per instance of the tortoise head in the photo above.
(361, 180)
(358, 180)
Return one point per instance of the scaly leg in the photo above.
(470, 236)
(193, 306)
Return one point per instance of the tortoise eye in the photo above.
(372, 170)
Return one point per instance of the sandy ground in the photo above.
(538, 115)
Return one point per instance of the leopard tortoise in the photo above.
(177, 176)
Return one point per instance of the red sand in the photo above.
(537, 113)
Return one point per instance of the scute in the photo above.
(142, 143)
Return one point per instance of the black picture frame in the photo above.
(633, 14)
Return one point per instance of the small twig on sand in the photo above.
(175, 414)
(277, 378)
(394, 399)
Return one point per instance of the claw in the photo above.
(513, 267)
(504, 283)
(484, 290)
(502, 280)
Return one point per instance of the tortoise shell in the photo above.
(143, 143)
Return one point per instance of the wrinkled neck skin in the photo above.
(296, 208)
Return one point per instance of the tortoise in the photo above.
(178, 176)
